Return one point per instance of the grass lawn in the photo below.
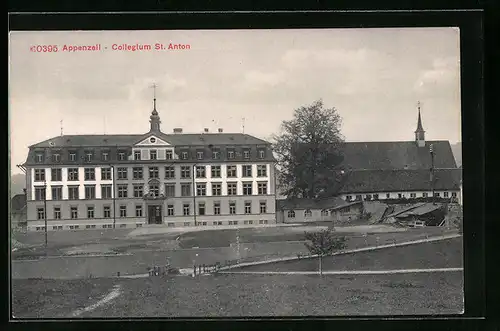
(245, 295)
(439, 254)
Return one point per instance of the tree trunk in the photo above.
(321, 265)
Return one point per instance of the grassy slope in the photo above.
(245, 295)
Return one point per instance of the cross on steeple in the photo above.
(154, 95)
(154, 119)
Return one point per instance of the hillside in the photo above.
(457, 153)
(17, 183)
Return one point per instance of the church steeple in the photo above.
(419, 133)
(154, 119)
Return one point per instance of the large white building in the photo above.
(124, 181)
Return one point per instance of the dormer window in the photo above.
(88, 156)
(184, 155)
(56, 157)
(121, 156)
(72, 156)
(169, 155)
(199, 155)
(246, 154)
(137, 155)
(39, 157)
(215, 154)
(105, 156)
(230, 154)
(152, 154)
(262, 154)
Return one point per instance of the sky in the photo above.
(373, 77)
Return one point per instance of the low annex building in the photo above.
(126, 181)
(314, 210)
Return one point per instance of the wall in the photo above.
(395, 195)
(316, 215)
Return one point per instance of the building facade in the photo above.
(125, 181)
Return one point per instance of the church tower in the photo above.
(154, 119)
(420, 133)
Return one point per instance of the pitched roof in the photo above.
(303, 203)
(18, 202)
(131, 139)
(423, 209)
(372, 181)
(396, 155)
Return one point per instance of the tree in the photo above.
(324, 243)
(308, 151)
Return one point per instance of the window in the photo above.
(152, 154)
(106, 192)
(247, 171)
(368, 197)
(413, 195)
(388, 195)
(246, 154)
(185, 209)
(88, 156)
(138, 190)
(122, 173)
(248, 207)
(74, 212)
(262, 221)
(137, 155)
(232, 207)
(262, 153)
(445, 194)
(169, 172)
(185, 190)
(262, 188)
(72, 156)
(90, 211)
(154, 189)
(203, 223)
(170, 210)
(40, 213)
(73, 192)
(324, 212)
(454, 194)
(39, 193)
(216, 208)
(56, 192)
(56, 175)
(201, 172)
(106, 211)
(199, 155)
(72, 174)
(231, 171)
(185, 172)
(400, 195)
(247, 222)
(105, 156)
(123, 211)
(121, 156)
(169, 155)
(137, 173)
(56, 157)
(263, 207)
(231, 188)
(105, 173)
(89, 173)
(201, 189)
(123, 226)
(437, 194)
(138, 211)
(375, 197)
(154, 172)
(170, 190)
(261, 170)
(184, 155)
(89, 191)
(230, 154)
(39, 158)
(247, 188)
(216, 154)
(216, 171)
(348, 197)
(216, 188)
(122, 191)
(39, 175)
(425, 195)
(57, 213)
(201, 208)
(187, 223)
(77, 227)
(307, 213)
(291, 214)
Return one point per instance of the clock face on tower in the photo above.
(152, 140)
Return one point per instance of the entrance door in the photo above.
(154, 214)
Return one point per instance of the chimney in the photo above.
(205, 130)
(220, 130)
(177, 130)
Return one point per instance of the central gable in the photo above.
(152, 140)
